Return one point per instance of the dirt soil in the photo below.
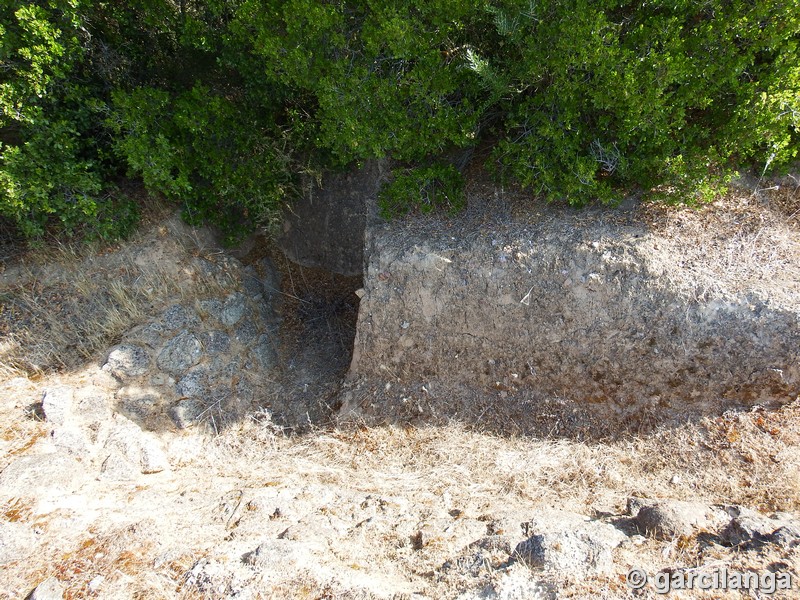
(424, 505)
(613, 318)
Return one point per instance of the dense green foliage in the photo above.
(221, 104)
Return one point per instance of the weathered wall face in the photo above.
(325, 228)
(574, 307)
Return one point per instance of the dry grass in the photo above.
(744, 243)
(750, 458)
(63, 305)
(738, 458)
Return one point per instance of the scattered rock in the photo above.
(515, 584)
(246, 333)
(117, 467)
(72, 439)
(49, 589)
(138, 404)
(215, 342)
(153, 459)
(186, 412)
(193, 384)
(150, 334)
(751, 527)
(669, 519)
(126, 438)
(274, 554)
(92, 405)
(57, 404)
(251, 283)
(264, 352)
(180, 353)
(211, 308)
(179, 317)
(634, 504)
(786, 536)
(127, 361)
(233, 309)
(569, 543)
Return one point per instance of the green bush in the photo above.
(425, 188)
(218, 104)
(669, 96)
(206, 152)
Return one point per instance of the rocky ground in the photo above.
(169, 430)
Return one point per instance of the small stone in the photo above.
(137, 404)
(787, 536)
(125, 439)
(49, 589)
(275, 553)
(92, 404)
(669, 519)
(566, 551)
(251, 283)
(149, 334)
(180, 353)
(233, 309)
(215, 342)
(118, 468)
(186, 413)
(569, 542)
(179, 317)
(246, 333)
(516, 583)
(205, 267)
(211, 309)
(193, 384)
(264, 352)
(127, 361)
(57, 404)
(71, 439)
(751, 527)
(153, 458)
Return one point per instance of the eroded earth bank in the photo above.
(516, 402)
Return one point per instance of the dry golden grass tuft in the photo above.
(744, 243)
(750, 458)
(62, 305)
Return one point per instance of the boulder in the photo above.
(127, 361)
(669, 519)
(569, 543)
(49, 589)
(180, 353)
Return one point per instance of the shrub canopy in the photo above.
(220, 104)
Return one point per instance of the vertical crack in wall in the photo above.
(317, 313)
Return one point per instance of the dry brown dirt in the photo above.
(413, 502)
